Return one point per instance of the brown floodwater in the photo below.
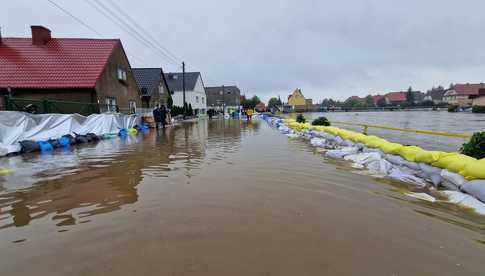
(222, 198)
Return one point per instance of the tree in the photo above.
(190, 111)
(410, 96)
(169, 101)
(273, 102)
(382, 102)
(369, 101)
(250, 103)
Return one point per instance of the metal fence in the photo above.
(49, 106)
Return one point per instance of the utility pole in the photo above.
(183, 88)
(223, 103)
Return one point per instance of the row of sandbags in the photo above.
(65, 141)
(390, 165)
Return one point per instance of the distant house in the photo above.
(378, 98)
(260, 107)
(152, 85)
(463, 94)
(437, 96)
(230, 98)
(195, 94)
(395, 98)
(296, 98)
(68, 69)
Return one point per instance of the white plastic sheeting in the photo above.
(19, 126)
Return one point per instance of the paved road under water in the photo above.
(221, 198)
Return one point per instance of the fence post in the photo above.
(8, 104)
(366, 130)
(45, 104)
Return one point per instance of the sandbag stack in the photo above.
(447, 170)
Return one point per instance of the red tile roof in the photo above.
(61, 63)
(468, 89)
(396, 96)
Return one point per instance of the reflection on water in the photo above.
(72, 185)
(441, 121)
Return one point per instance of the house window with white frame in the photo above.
(110, 104)
(197, 99)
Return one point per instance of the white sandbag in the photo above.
(421, 196)
(395, 159)
(347, 143)
(381, 166)
(398, 174)
(341, 153)
(465, 200)
(412, 165)
(366, 149)
(292, 135)
(338, 140)
(363, 158)
(431, 173)
(453, 178)
(318, 142)
(476, 188)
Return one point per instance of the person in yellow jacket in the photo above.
(249, 114)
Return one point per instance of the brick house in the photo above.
(152, 85)
(68, 69)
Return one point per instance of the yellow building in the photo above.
(296, 99)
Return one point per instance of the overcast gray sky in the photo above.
(268, 47)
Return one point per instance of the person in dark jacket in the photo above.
(157, 116)
(163, 116)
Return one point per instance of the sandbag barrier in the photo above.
(462, 177)
(67, 140)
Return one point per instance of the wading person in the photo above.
(157, 116)
(249, 114)
(163, 116)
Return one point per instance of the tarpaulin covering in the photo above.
(19, 126)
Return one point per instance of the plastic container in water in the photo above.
(45, 146)
(64, 142)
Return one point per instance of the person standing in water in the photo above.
(249, 114)
(157, 112)
(163, 116)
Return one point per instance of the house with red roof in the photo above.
(80, 70)
(463, 95)
(395, 98)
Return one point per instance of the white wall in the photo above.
(191, 97)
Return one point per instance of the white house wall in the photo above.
(191, 97)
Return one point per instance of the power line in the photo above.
(117, 7)
(116, 19)
(75, 18)
(85, 24)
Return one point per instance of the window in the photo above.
(203, 100)
(121, 74)
(196, 99)
(110, 104)
(132, 107)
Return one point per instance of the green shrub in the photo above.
(476, 147)
(321, 121)
(478, 109)
(453, 108)
(300, 118)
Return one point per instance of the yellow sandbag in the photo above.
(429, 157)
(360, 138)
(409, 152)
(373, 141)
(454, 162)
(132, 131)
(391, 148)
(474, 170)
(6, 170)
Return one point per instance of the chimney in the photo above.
(40, 35)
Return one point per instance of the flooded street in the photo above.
(222, 198)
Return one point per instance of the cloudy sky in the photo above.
(327, 48)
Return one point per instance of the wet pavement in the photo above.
(221, 198)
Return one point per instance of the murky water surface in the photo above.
(441, 121)
(221, 198)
